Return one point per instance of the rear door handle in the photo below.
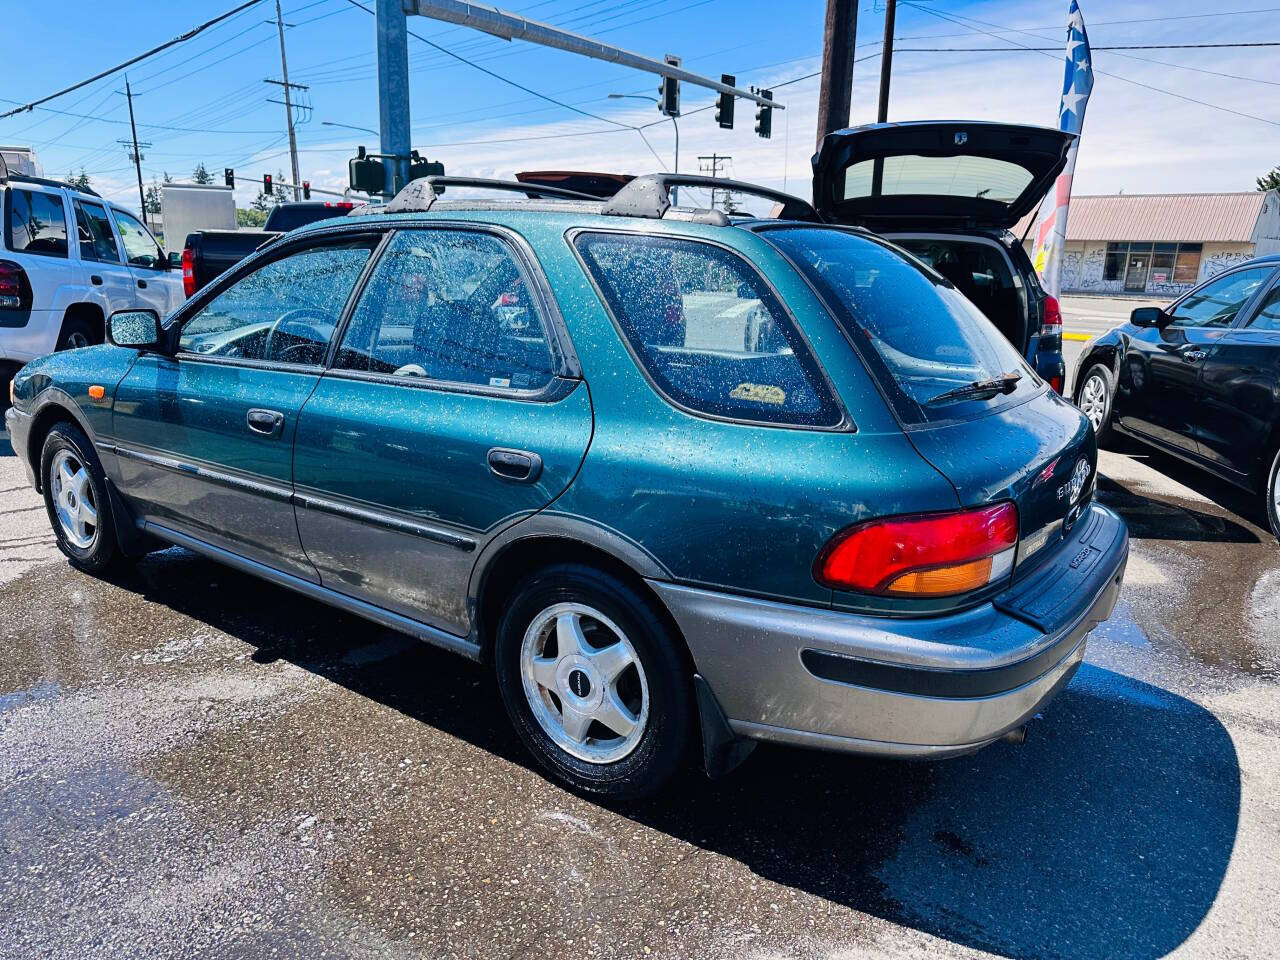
(95, 279)
(1192, 356)
(142, 284)
(518, 465)
(265, 422)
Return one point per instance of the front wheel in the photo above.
(75, 496)
(1094, 400)
(593, 682)
(1272, 505)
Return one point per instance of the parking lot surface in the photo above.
(193, 762)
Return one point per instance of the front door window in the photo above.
(1217, 303)
(285, 311)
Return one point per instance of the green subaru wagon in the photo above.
(686, 482)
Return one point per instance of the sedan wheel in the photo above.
(73, 499)
(584, 682)
(1273, 496)
(1094, 400)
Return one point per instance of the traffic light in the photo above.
(724, 107)
(764, 116)
(266, 182)
(419, 168)
(669, 90)
(306, 189)
(229, 176)
(365, 174)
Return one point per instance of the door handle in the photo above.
(265, 422)
(95, 279)
(1191, 356)
(519, 465)
(142, 284)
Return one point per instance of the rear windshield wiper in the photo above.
(980, 389)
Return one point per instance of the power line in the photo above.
(1131, 46)
(1114, 76)
(183, 38)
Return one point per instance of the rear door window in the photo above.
(97, 242)
(919, 336)
(452, 306)
(37, 223)
(707, 330)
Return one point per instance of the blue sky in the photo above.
(207, 100)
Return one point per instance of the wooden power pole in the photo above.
(836, 86)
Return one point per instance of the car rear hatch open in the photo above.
(936, 173)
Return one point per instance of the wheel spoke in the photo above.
(66, 479)
(80, 483)
(544, 672)
(612, 660)
(575, 723)
(87, 514)
(613, 713)
(569, 636)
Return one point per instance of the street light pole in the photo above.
(675, 191)
(349, 126)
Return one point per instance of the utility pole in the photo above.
(835, 89)
(288, 103)
(886, 71)
(712, 165)
(886, 60)
(393, 92)
(137, 157)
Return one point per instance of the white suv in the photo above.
(69, 259)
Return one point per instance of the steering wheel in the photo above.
(312, 327)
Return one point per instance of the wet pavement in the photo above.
(193, 763)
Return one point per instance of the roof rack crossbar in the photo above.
(420, 194)
(649, 196)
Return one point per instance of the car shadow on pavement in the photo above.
(1107, 834)
(1152, 519)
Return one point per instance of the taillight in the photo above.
(15, 288)
(1056, 384)
(1052, 322)
(926, 555)
(188, 272)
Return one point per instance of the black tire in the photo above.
(663, 739)
(103, 549)
(1271, 491)
(1101, 376)
(76, 332)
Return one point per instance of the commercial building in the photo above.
(1163, 244)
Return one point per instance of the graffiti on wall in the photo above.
(1215, 263)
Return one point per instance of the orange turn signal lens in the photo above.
(943, 581)
(97, 391)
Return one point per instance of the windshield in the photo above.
(918, 335)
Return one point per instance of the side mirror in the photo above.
(137, 329)
(1148, 317)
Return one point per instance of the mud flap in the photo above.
(722, 750)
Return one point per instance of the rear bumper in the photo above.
(934, 687)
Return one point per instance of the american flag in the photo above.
(1051, 231)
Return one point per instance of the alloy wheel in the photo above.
(73, 499)
(1093, 399)
(76, 340)
(584, 682)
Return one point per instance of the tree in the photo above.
(264, 202)
(152, 199)
(167, 178)
(201, 175)
(82, 181)
(251, 217)
(1271, 181)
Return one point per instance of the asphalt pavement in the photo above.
(193, 762)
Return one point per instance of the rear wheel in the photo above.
(1093, 397)
(75, 496)
(1272, 505)
(593, 682)
(76, 333)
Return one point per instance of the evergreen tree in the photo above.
(201, 175)
(1271, 181)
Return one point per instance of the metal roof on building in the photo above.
(1165, 217)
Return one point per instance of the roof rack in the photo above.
(650, 196)
(6, 175)
(420, 194)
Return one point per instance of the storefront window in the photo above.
(1113, 266)
(1162, 260)
(1187, 266)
